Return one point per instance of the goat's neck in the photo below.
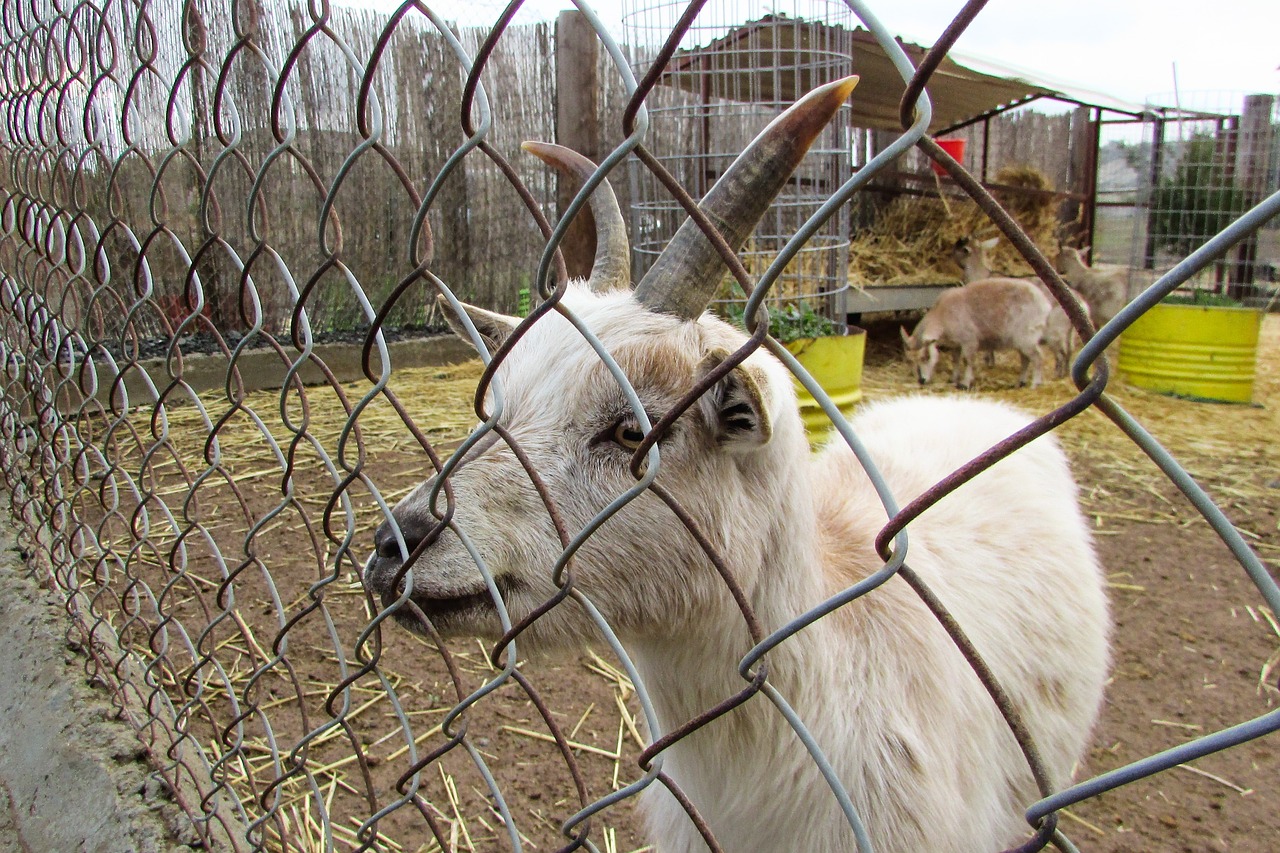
(975, 269)
(1075, 264)
(695, 667)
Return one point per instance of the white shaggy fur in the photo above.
(919, 745)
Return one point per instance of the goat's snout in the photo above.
(412, 529)
(387, 559)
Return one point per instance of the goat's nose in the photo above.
(922, 380)
(384, 539)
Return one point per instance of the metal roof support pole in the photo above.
(1091, 176)
(1075, 213)
(986, 145)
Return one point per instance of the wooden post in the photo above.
(1252, 165)
(578, 88)
(1081, 175)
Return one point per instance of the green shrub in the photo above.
(790, 322)
(1196, 202)
(1202, 297)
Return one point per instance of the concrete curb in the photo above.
(262, 369)
(73, 777)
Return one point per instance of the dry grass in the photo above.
(912, 238)
(1230, 449)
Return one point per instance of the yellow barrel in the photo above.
(836, 364)
(1199, 351)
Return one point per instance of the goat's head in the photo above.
(970, 255)
(921, 353)
(571, 421)
(1070, 259)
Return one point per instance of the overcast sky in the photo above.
(1124, 48)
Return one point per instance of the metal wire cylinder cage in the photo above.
(739, 65)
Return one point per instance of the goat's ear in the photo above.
(990, 244)
(736, 406)
(906, 339)
(494, 328)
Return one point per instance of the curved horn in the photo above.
(611, 269)
(686, 274)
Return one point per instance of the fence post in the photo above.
(1079, 211)
(1252, 166)
(578, 90)
(1156, 166)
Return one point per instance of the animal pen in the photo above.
(207, 539)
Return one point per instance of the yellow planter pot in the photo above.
(1206, 352)
(836, 364)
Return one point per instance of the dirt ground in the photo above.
(1191, 642)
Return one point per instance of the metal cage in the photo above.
(739, 65)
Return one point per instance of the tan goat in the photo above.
(1105, 289)
(986, 316)
(1059, 335)
(926, 758)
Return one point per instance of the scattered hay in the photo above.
(1228, 448)
(912, 238)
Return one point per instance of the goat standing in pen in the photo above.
(1106, 288)
(918, 743)
(1059, 335)
(985, 316)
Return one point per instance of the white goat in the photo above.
(988, 315)
(926, 758)
(1105, 289)
(1059, 335)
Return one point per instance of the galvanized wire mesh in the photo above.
(209, 543)
(1204, 166)
(723, 84)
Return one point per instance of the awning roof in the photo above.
(963, 89)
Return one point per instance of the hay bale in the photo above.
(912, 238)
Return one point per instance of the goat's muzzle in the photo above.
(383, 568)
(456, 607)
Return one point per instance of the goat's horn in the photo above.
(611, 269)
(686, 274)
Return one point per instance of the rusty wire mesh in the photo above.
(209, 542)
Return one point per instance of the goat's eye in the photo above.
(627, 435)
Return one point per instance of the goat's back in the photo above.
(1011, 557)
(992, 312)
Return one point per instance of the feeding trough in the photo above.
(954, 148)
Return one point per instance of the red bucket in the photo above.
(954, 147)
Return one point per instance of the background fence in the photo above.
(195, 181)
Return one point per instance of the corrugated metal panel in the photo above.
(959, 92)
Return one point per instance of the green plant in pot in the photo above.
(1200, 345)
(830, 353)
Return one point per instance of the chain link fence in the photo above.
(209, 543)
